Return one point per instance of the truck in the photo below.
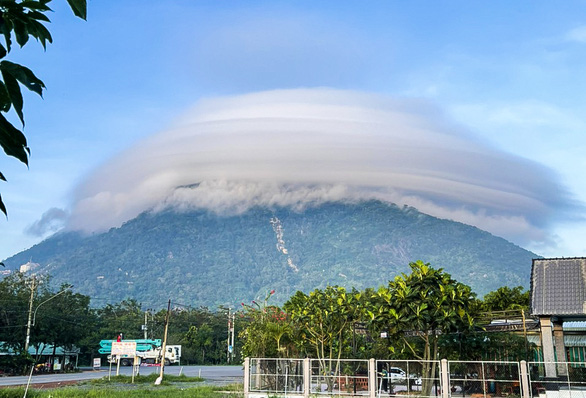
(148, 351)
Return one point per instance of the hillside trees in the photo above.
(22, 20)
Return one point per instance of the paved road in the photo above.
(217, 375)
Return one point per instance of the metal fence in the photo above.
(271, 377)
(276, 376)
(484, 379)
(569, 383)
(400, 378)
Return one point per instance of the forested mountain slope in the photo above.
(201, 258)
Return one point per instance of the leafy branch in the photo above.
(22, 20)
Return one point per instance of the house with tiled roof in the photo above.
(558, 295)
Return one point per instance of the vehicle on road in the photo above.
(148, 351)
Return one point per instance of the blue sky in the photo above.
(508, 73)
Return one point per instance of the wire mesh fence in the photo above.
(342, 377)
(407, 377)
(274, 376)
(569, 380)
(270, 377)
(484, 379)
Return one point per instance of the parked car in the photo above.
(397, 374)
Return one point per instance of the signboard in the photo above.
(97, 362)
(124, 349)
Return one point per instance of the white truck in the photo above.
(147, 352)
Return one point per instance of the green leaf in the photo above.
(2, 177)
(21, 32)
(6, 29)
(13, 141)
(38, 16)
(79, 8)
(40, 32)
(24, 75)
(4, 98)
(14, 93)
(35, 5)
(3, 210)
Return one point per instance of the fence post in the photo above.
(306, 377)
(246, 376)
(371, 378)
(445, 378)
(524, 379)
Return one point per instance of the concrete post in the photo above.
(547, 347)
(560, 348)
(371, 378)
(445, 378)
(306, 377)
(246, 376)
(524, 374)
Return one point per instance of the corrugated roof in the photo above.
(558, 287)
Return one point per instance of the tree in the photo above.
(324, 320)
(267, 326)
(22, 19)
(416, 309)
(202, 334)
(64, 320)
(15, 293)
(200, 338)
(505, 299)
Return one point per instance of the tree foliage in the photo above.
(267, 331)
(22, 20)
(506, 298)
(416, 309)
(324, 320)
(58, 317)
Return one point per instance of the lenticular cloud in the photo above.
(304, 147)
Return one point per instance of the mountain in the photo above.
(201, 258)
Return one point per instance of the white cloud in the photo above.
(304, 147)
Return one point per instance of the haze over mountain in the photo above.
(199, 257)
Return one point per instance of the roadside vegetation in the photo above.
(423, 315)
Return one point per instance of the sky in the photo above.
(470, 111)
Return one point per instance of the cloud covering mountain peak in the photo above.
(309, 146)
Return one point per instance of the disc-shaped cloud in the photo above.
(303, 147)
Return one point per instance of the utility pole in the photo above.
(164, 348)
(232, 344)
(228, 341)
(145, 327)
(30, 315)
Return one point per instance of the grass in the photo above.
(121, 387)
(113, 392)
(167, 380)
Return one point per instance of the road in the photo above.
(217, 375)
